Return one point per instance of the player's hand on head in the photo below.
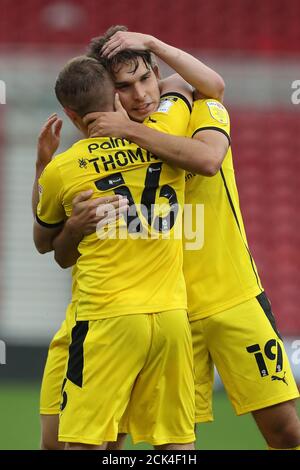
(122, 40)
(108, 124)
(88, 213)
(49, 139)
(119, 107)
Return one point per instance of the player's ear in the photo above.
(70, 113)
(73, 116)
(156, 71)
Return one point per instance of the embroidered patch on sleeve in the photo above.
(217, 111)
(165, 105)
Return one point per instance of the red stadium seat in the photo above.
(267, 160)
(269, 27)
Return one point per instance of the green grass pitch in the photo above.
(20, 427)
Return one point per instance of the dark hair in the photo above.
(127, 56)
(84, 86)
(95, 46)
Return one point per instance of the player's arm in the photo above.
(202, 155)
(65, 244)
(43, 237)
(48, 142)
(50, 215)
(87, 215)
(48, 238)
(206, 81)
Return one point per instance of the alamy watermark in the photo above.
(2, 352)
(155, 221)
(295, 98)
(296, 354)
(2, 92)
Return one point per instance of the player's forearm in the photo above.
(43, 237)
(65, 246)
(202, 78)
(186, 153)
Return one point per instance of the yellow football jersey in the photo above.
(135, 266)
(74, 283)
(222, 273)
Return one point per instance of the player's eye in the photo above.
(122, 87)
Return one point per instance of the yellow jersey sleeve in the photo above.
(50, 210)
(209, 114)
(172, 115)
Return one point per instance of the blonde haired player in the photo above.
(211, 83)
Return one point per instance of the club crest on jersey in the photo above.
(217, 111)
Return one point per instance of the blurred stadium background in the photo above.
(255, 46)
